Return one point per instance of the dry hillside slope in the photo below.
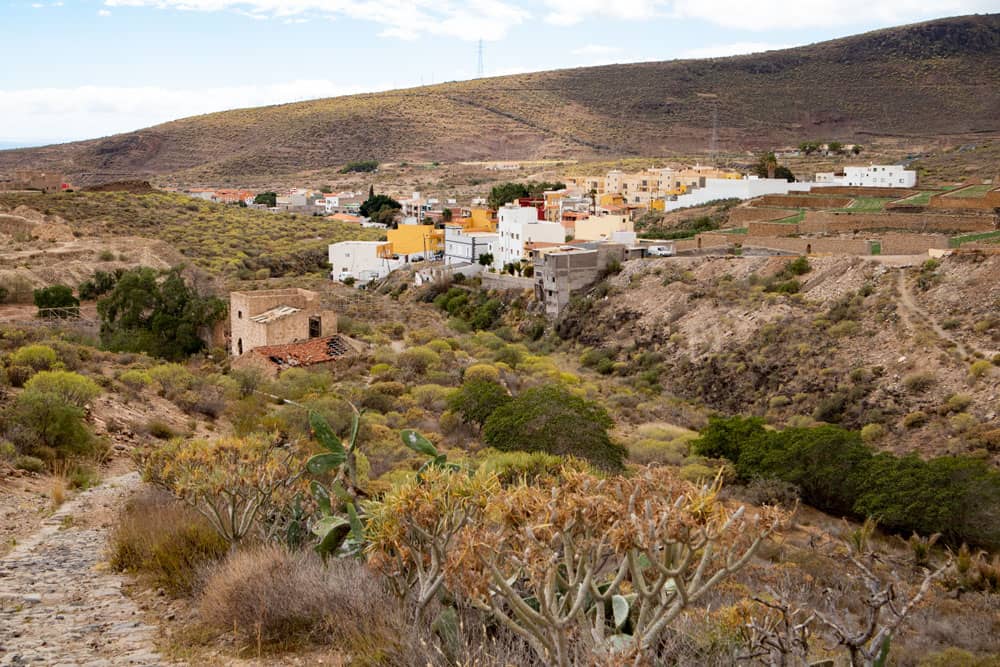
(860, 343)
(939, 78)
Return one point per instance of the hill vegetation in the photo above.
(934, 79)
(226, 240)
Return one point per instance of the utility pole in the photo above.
(479, 65)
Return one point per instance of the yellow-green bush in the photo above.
(36, 357)
(135, 379)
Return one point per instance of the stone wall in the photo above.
(894, 243)
(858, 191)
(773, 229)
(829, 222)
(989, 201)
(505, 281)
(809, 246)
(739, 217)
(801, 201)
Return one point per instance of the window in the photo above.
(239, 314)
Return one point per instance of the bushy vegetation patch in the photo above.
(552, 419)
(837, 472)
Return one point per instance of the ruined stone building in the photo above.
(276, 317)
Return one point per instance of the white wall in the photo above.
(884, 176)
(461, 247)
(744, 188)
(358, 257)
(517, 226)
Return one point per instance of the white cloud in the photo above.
(782, 14)
(103, 12)
(571, 12)
(596, 50)
(401, 19)
(734, 49)
(37, 5)
(764, 14)
(94, 111)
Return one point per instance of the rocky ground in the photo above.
(59, 604)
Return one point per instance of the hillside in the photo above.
(935, 79)
(857, 343)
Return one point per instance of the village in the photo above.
(559, 240)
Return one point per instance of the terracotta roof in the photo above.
(306, 353)
(345, 217)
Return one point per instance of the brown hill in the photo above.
(933, 79)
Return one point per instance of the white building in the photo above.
(294, 198)
(462, 247)
(360, 260)
(518, 225)
(872, 176)
(736, 188)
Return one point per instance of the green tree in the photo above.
(477, 399)
(376, 203)
(767, 166)
(361, 166)
(857, 148)
(809, 147)
(269, 199)
(55, 296)
(163, 318)
(506, 193)
(446, 215)
(835, 147)
(551, 419)
(486, 259)
(724, 437)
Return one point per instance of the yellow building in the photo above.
(601, 227)
(413, 240)
(482, 219)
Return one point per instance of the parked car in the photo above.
(660, 251)
(345, 275)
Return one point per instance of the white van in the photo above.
(660, 251)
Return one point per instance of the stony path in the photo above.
(59, 605)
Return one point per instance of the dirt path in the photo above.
(59, 604)
(912, 315)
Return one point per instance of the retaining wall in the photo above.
(989, 201)
(739, 217)
(802, 201)
(829, 222)
(857, 191)
(773, 229)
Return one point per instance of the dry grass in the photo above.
(164, 541)
(269, 595)
(57, 493)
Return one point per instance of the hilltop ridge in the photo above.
(935, 79)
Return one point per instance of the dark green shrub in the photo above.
(552, 419)
(477, 399)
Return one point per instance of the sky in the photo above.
(79, 69)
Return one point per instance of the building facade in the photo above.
(362, 260)
(276, 317)
(872, 176)
(466, 246)
(518, 226)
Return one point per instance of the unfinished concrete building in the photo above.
(561, 271)
(276, 317)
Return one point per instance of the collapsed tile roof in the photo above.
(306, 353)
